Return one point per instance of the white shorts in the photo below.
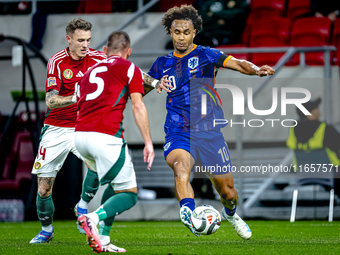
(109, 157)
(55, 145)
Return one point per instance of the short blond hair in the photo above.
(77, 23)
(118, 41)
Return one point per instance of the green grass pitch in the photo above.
(269, 237)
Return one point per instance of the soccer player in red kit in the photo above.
(104, 91)
(65, 69)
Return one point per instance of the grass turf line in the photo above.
(269, 237)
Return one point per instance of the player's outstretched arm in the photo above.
(150, 83)
(246, 67)
(142, 120)
(53, 100)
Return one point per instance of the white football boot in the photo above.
(185, 215)
(108, 246)
(112, 248)
(43, 237)
(239, 225)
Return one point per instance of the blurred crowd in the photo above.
(224, 20)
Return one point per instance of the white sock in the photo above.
(105, 240)
(93, 216)
(82, 204)
(230, 217)
(48, 228)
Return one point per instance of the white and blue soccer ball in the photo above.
(205, 219)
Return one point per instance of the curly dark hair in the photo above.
(185, 12)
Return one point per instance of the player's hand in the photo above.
(332, 16)
(149, 154)
(165, 84)
(265, 71)
(319, 15)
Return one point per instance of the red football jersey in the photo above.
(104, 91)
(63, 72)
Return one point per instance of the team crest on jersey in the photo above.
(37, 165)
(68, 74)
(51, 82)
(193, 62)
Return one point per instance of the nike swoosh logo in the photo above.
(164, 71)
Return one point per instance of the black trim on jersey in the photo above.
(221, 60)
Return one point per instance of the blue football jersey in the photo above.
(192, 76)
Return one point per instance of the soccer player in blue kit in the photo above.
(190, 137)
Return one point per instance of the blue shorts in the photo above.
(208, 149)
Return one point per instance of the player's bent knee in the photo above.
(134, 198)
(181, 171)
(130, 199)
(228, 194)
(45, 185)
(181, 177)
(44, 192)
(133, 190)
